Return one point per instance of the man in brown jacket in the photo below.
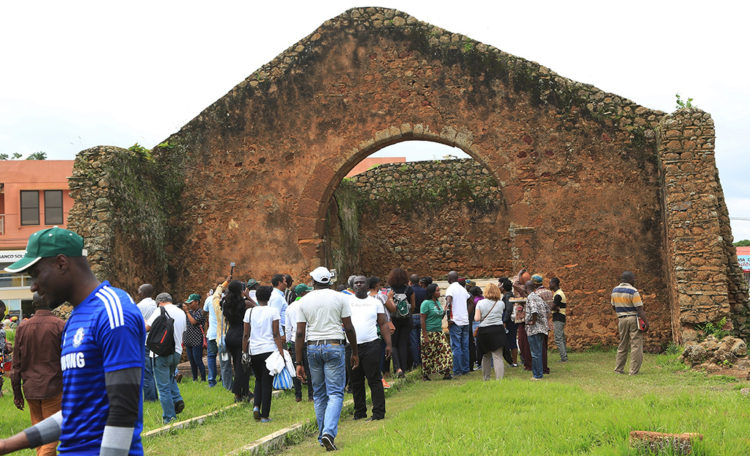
(36, 366)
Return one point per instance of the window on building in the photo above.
(29, 207)
(53, 207)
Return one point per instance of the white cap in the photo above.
(321, 275)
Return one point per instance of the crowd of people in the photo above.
(114, 353)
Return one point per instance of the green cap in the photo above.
(251, 283)
(192, 298)
(47, 243)
(301, 288)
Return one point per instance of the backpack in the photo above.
(160, 339)
(402, 305)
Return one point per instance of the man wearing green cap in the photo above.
(102, 353)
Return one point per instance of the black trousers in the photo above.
(297, 382)
(369, 368)
(263, 384)
(241, 386)
(400, 343)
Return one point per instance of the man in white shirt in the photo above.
(456, 298)
(164, 366)
(367, 315)
(290, 329)
(147, 305)
(322, 313)
(278, 300)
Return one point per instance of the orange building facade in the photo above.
(34, 195)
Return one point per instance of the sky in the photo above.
(76, 74)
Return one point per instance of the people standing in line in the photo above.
(403, 298)
(548, 298)
(368, 314)
(417, 285)
(506, 287)
(234, 305)
(322, 314)
(627, 303)
(165, 365)
(456, 298)
(436, 352)
(290, 330)
(491, 334)
(147, 306)
(260, 338)
(373, 285)
(537, 327)
(278, 298)
(476, 295)
(101, 356)
(559, 310)
(36, 372)
(193, 337)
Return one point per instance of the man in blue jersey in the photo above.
(102, 353)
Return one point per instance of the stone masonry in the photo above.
(589, 176)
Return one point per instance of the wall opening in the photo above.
(425, 206)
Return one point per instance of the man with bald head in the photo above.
(627, 303)
(147, 306)
(456, 298)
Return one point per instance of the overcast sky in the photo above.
(77, 74)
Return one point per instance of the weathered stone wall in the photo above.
(705, 277)
(122, 202)
(250, 179)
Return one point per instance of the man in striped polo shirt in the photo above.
(627, 303)
(101, 358)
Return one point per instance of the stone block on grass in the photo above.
(657, 442)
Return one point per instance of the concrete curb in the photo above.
(297, 432)
(195, 420)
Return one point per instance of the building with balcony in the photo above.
(34, 195)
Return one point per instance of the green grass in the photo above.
(581, 408)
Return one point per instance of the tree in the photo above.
(37, 156)
(742, 243)
(16, 155)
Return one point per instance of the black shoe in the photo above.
(375, 418)
(359, 417)
(327, 442)
(447, 377)
(179, 406)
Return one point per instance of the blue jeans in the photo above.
(195, 356)
(149, 385)
(416, 331)
(328, 375)
(535, 344)
(211, 350)
(226, 370)
(169, 393)
(460, 347)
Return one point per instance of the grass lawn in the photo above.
(581, 408)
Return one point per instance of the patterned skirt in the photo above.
(437, 357)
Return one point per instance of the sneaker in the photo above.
(327, 442)
(355, 418)
(386, 385)
(534, 379)
(179, 406)
(256, 413)
(514, 365)
(447, 377)
(265, 420)
(374, 418)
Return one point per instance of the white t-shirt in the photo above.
(495, 317)
(261, 328)
(458, 305)
(180, 322)
(291, 321)
(323, 311)
(365, 317)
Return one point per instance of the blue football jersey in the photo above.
(104, 333)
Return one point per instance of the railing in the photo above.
(15, 281)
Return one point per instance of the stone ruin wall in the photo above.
(250, 179)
